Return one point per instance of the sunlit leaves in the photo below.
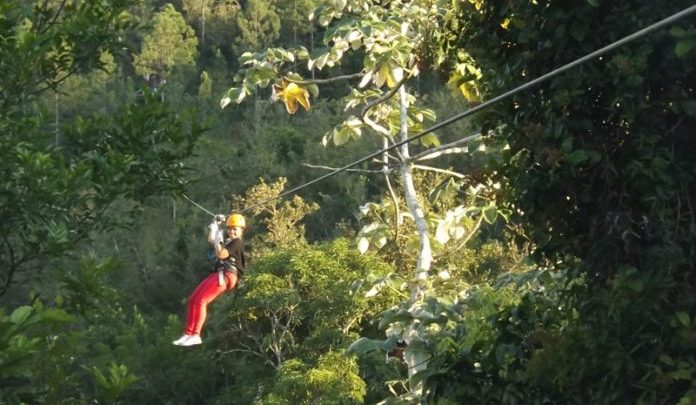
(478, 4)
(114, 382)
(233, 94)
(465, 77)
(430, 140)
(344, 132)
(505, 23)
(374, 234)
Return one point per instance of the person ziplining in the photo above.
(228, 269)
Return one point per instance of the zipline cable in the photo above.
(197, 205)
(638, 34)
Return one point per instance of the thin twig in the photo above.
(395, 200)
(386, 96)
(323, 81)
(55, 16)
(438, 170)
(349, 170)
(445, 149)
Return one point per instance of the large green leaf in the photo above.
(365, 345)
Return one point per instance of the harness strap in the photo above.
(221, 275)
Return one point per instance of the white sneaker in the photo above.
(191, 341)
(181, 340)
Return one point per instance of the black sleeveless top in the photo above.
(235, 260)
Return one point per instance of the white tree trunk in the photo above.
(416, 360)
(425, 255)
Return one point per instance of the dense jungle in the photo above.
(434, 213)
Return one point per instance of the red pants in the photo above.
(204, 294)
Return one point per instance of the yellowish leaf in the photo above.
(386, 73)
(505, 23)
(477, 3)
(469, 91)
(292, 95)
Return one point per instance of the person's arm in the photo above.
(215, 233)
(232, 250)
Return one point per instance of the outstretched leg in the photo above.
(205, 293)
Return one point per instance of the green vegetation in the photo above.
(540, 251)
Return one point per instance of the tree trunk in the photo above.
(424, 252)
(415, 359)
(203, 6)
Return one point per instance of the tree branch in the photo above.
(395, 200)
(12, 267)
(348, 170)
(386, 96)
(323, 81)
(55, 17)
(438, 170)
(449, 148)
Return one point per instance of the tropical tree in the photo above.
(397, 42)
(598, 174)
(55, 195)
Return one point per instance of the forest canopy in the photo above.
(540, 250)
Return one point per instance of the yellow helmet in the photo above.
(236, 220)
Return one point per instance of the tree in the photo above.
(295, 24)
(286, 328)
(214, 19)
(258, 24)
(596, 173)
(171, 43)
(55, 195)
(283, 227)
(397, 41)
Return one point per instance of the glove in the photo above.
(214, 231)
(219, 219)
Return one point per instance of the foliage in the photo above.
(591, 171)
(114, 383)
(172, 43)
(23, 337)
(259, 25)
(282, 220)
(298, 308)
(213, 19)
(597, 174)
(334, 380)
(131, 154)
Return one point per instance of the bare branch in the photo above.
(55, 17)
(323, 81)
(395, 200)
(449, 148)
(438, 170)
(249, 351)
(348, 170)
(394, 158)
(386, 96)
